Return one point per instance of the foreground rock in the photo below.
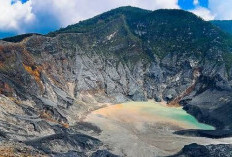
(66, 144)
(10, 148)
(195, 150)
(216, 134)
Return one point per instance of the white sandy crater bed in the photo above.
(145, 129)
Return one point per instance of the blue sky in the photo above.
(43, 16)
(189, 4)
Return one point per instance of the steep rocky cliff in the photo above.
(47, 83)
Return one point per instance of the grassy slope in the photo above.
(19, 38)
(130, 13)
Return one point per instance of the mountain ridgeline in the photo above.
(225, 25)
(122, 55)
(162, 31)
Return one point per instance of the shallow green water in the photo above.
(173, 114)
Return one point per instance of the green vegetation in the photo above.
(19, 38)
(131, 13)
(181, 32)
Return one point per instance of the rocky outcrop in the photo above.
(103, 153)
(211, 98)
(66, 144)
(195, 150)
(215, 134)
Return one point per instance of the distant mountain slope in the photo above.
(225, 25)
(19, 38)
(162, 31)
(131, 14)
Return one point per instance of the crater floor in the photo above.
(146, 129)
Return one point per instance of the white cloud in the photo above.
(204, 13)
(217, 9)
(47, 15)
(13, 16)
(221, 9)
(71, 11)
(20, 16)
(196, 2)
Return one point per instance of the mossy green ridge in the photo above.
(160, 33)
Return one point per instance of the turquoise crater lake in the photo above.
(152, 112)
